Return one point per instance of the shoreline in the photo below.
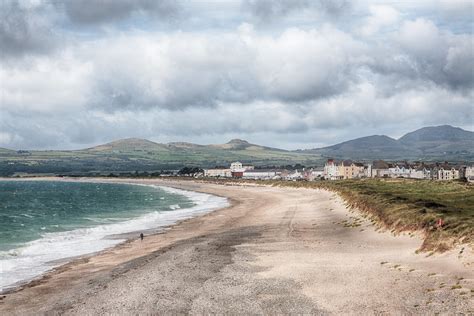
(176, 216)
(291, 242)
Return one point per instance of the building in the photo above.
(346, 169)
(239, 173)
(236, 170)
(399, 171)
(380, 169)
(331, 170)
(261, 174)
(420, 173)
(218, 173)
(235, 166)
(448, 174)
(350, 170)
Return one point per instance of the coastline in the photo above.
(109, 235)
(290, 242)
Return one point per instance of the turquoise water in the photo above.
(29, 209)
(43, 223)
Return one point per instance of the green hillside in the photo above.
(143, 155)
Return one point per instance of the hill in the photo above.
(140, 154)
(439, 139)
(127, 145)
(239, 144)
(429, 143)
(370, 147)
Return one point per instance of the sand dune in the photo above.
(276, 250)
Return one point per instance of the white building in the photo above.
(260, 174)
(236, 166)
(420, 173)
(331, 170)
(399, 172)
(221, 173)
(448, 174)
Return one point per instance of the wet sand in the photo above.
(275, 250)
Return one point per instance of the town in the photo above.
(348, 169)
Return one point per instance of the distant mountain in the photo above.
(140, 154)
(127, 145)
(443, 133)
(437, 140)
(375, 142)
(369, 147)
(239, 144)
(429, 143)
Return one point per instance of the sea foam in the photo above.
(39, 256)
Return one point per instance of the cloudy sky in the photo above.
(290, 74)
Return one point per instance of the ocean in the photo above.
(44, 222)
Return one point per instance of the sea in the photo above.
(43, 224)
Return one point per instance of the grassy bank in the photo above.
(408, 205)
(405, 205)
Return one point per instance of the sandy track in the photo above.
(276, 250)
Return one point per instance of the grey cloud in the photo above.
(104, 11)
(24, 29)
(189, 70)
(420, 53)
(269, 9)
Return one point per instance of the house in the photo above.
(420, 173)
(448, 174)
(380, 169)
(350, 170)
(331, 170)
(346, 169)
(399, 171)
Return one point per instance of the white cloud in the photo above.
(45, 85)
(380, 16)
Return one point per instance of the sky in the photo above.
(289, 74)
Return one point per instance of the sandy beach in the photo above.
(274, 250)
